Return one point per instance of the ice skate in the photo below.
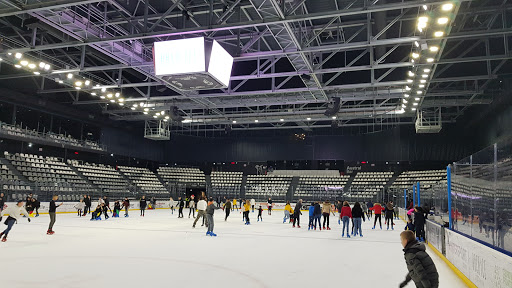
(328, 228)
(348, 236)
(213, 234)
(342, 235)
(4, 239)
(373, 228)
(207, 233)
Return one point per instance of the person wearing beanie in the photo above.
(389, 215)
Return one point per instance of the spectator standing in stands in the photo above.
(389, 210)
(253, 202)
(143, 204)
(14, 213)
(346, 215)
(36, 204)
(326, 212)
(318, 215)
(126, 205)
(370, 210)
(181, 206)
(192, 208)
(227, 209)
(269, 203)
(52, 211)
(288, 211)
(357, 218)
(210, 209)
(201, 210)
(297, 213)
(171, 205)
(80, 206)
(260, 212)
(377, 208)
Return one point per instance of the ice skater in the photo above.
(357, 219)
(117, 209)
(269, 203)
(419, 223)
(318, 216)
(422, 269)
(297, 213)
(311, 216)
(253, 203)
(171, 205)
(389, 215)
(247, 209)
(96, 214)
(52, 211)
(377, 208)
(260, 211)
(288, 211)
(143, 203)
(105, 210)
(14, 213)
(201, 211)
(192, 208)
(370, 206)
(410, 226)
(181, 204)
(80, 206)
(210, 210)
(36, 204)
(126, 205)
(345, 215)
(234, 204)
(326, 212)
(227, 209)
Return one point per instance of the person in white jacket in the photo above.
(80, 207)
(253, 203)
(14, 213)
(201, 211)
(171, 205)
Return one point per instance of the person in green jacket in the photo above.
(422, 269)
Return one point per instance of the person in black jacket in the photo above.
(419, 223)
(87, 201)
(52, 211)
(357, 218)
(269, 204)
(181, 206)
(297, 213)
(422, 269)
(317, 215)
(126, 205)
(35, 204)
(2, 201)
(143, 204)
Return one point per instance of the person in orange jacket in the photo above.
(377, 209)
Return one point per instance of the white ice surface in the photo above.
(162, 250)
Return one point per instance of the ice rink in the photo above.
(165, 251)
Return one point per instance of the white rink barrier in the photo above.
(68, 207)
(484, 266)
(435, 235)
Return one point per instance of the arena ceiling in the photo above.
(385, 60)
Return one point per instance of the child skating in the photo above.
(422, 269)
(14, 213)
(117, 209)
(288, 211)
(311, 216)
(247, 208)
(260, 211)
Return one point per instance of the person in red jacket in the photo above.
(377, 208)
(345, 215)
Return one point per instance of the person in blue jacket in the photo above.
(311, 215)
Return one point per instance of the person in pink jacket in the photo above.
(345, 215)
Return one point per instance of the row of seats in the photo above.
(320, 187)
(144, 179)
(108, 179)
(226, 184)
(264, 186)
(191, 176)
(426, 178)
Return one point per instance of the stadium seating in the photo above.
(261, 187)
(320, 187)
(368, 184)
(108, 179)
(226, 184)
(144, 179)
(426, 178)
(190, 176)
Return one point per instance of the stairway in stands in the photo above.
(97, 190)
(349, 182)
(391, 181)
(11, 167)
(208, 180)
(293, 187)
(242, 186)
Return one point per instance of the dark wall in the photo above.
(132, 143)
(398, 144)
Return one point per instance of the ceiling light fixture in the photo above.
(406, 95)
(37, 73)
(442, 20)
(423, 81)
(403, 106)
(416, 44)
(415, 104)
(281, 119)
(78, 88)
(308, 118)
(133, 108)
(78, 83)
(438, 34)
(234, 121)
(433, 48)
(424, 7)
(417, 99)
(117, 94)
(419, 92)
(18, 55)
(109, 95)
(47, 67)
(70, 76)
(32, 66)
(409, 80)
(424, 76)
(426, 70)
(102, 97)
(405, 101)
(430, 60)
(41, 65)
(24, 62)
(413, 109)
(93, 93)
(87, 82)
(103, 89)
(447, 7)
(256, 121)
(17, 66)
(145, 112)
(421, 85)
(410, 73)
(415, 55)
(407, 88)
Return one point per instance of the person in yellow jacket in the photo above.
(247, 208)
(287, 211)
(234, 205)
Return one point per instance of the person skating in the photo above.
(269, 203)
(52, 211)
(80, 206)
(253, 203)
(317, 214)
(370, 205)
(260, 211)
(96, 214)
(126, 205)
(107, 203)
(365, 209)
(210, 210)
(410, 226)
(105, 210)
(192, 208)
(36, 204)
(181, 206)
(326, 212)
(28, 206)
(389, 215)
(227, 209)
(419, 223)
(422, 269)
(247, 209)
(2, 201)
(288, 211)
(338, 207)
(311, 216)
(117, 209)
(143, 204)
(14, 213)
(297, 213)
(88, 203)
(357, 217)
(345, 215)
(201, 211)
(377, 208)
(234, 204)
(171, 205)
